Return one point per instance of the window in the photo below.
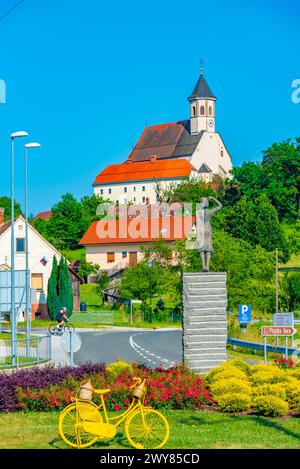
(210, 110)
(202, 110)
(124, 254)
(222, 152)
(134, 188)
(125, 201)
(109, 191)
(194, 110)
(143, 188)
(110, 257)
(125, 189)
(101, 191)
(37, 281)
(134, 199)
(20, 245)
(144, 200)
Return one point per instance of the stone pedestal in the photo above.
(204, 320)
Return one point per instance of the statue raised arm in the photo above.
(204, 230)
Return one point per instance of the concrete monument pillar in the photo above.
(204, 320)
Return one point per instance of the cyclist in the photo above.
(62, 318)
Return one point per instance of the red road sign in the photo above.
(278, 330)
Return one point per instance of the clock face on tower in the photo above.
(210, 123)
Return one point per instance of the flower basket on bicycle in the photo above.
(139, 390)
(85, 392)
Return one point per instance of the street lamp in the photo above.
(27, 280)
(150, 272)
(13, 136)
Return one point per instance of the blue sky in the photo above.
(84, 77)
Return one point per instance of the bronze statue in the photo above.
(204, 243)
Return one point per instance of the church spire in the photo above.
(202, 106)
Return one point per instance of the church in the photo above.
(170, 153)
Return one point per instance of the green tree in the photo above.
(5, 202)
(87, 268)
(52, 291)
(65, 293)
(66, 225)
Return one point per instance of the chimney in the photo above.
(2, 211)
(153, 158)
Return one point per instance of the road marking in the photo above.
(137, 348)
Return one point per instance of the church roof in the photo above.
(172, 140)
(148, 170)
(202, 90)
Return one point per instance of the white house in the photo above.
(41, 254)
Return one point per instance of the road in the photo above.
(153, 348)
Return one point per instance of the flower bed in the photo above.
(176, 388)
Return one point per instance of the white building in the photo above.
(41, 254)
(194, 140)
(137, 182)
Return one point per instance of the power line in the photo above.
(11, 10)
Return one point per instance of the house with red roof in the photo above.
(169, 153)
(118, 243)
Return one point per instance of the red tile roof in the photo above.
(138, 230)
(149, 170)
(45, 215)
(172, 140)
(4, 227)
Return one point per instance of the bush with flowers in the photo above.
(175, 388)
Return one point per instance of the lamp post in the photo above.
(150, 292)
(13, 136)
(27, 280)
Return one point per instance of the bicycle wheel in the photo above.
(52, 329)
(70, 424)
(68, 327)
(152, 432)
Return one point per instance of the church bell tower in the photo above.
(202, 107)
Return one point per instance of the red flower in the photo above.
(118, 407)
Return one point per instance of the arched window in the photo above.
(194, 110)
(210, 110)
(202, 110)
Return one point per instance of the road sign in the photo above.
(283, 319)
(71, 341)
(244, 314)
(278, 331)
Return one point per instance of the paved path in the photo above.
(153, 348)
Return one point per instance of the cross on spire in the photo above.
(201, 66)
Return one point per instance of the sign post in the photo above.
(277, 331)
(131, 308)
(244, 316)
(71, 343)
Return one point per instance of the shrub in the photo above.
(292, 388)
(284, 363)
(236, 402)
(268, 375)
(277, 389)
(270, 406)
(116, 368)
(295, 373)
(229, 373)
(240, 364)
(228, 386)
(37, 378)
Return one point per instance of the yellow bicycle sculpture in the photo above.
(82, 423)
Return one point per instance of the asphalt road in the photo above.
(152, 348)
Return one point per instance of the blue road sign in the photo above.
(244, 314)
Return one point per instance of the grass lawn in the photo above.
(188, 430)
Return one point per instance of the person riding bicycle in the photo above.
(62, 318)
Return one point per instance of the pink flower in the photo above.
(118, 407)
